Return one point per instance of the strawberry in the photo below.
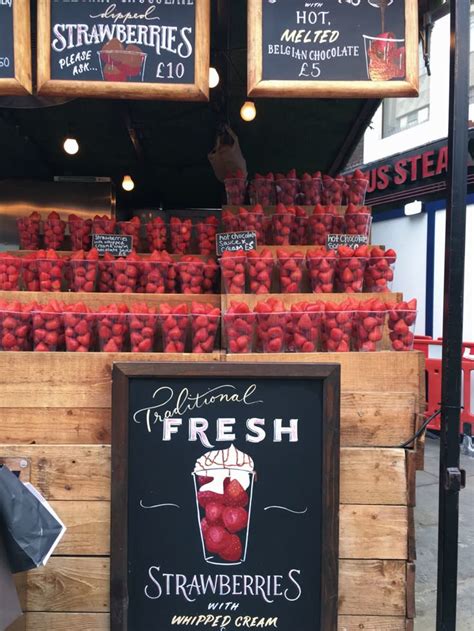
(288, 188)
(355, 187)
(142, 324)
(369, 321)
(214, 513)
(15, 326)
(154, 271)
(29, 231)
(190, 270)
(216, 539)
(105, 278)
(206, 235)
(47, 327)
(54, 229)
(131, 228)
(84, 270)
(239, 324)
(321, 269)
(304, 327)
(204, 497)
(290, 266)
(231, 550)
(180, 235)
(332, 190)
(230, 221)
(272, 323)
(175, 326)
(126, 273)
(50, 269)
(204, 325)
(263, 190)
(235, 518)
(235, 495)
(80, 231)
(252, 220)
(79, 328)
(156, 234)
(233, 271)
(350, 268)
(401, 324)
(211, 277)
(10, 272)
(260, 271)
(358, 220)
(311, 187)
(337, 327)
(236, 189)
(103, 225)
(112, 327)
(379, 273)
(204, 479)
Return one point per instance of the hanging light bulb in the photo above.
(248, 111)
(127, 183)
(213, 78)
(71, 146)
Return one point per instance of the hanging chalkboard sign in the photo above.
(225, 496)
(130, 49)
(15, 47)
(333, 48)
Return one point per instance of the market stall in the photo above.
(314, 291)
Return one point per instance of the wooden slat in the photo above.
(378, 419)
(370, 588)
(67, 472)
(66, 622)
(375, 588)
(37, 380)
(65, 380)
(367, 623)
(360, 372)
(69, 584)
(73, 472)
(373, 532)
(410, 583)
(50, 426)
(366, 532)
(88, 528)
(95, 300)
(373, 476)
(291, 299)
(367, 419)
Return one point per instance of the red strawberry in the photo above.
(235, 518)
(235, 495)
(206, 235)
(263, 190)
(216, 539)
(112, 328)
(288, 188)
(156, 234)
(204, 325)
(191, 274)
(204, 497)
(239, 325)
(233, 270)
(80, 231)
(231, 550)
(260, 270)
(204, 479)
(311, 188)
(54, 229)
(236, 188)
(175, 326)
(131, 228)
(103, 225)
(214, 513)
(29, 231)
(291, 265)
(180, 235)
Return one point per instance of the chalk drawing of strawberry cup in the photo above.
(385, 57)
(122, 64)
(223, 482)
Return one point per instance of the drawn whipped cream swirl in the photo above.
(223, 463)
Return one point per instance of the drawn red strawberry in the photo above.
(235, 518)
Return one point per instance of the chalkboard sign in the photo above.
(333, 48)
(234, 241)
(333, 241)
(15, 47)
(225, 496)
(131, 49)
(115, 244)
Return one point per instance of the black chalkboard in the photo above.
(7, 57)
(234, 241)
(333, 241)
(132, 41)
(333, 40)
(277, 434)
(115, 244)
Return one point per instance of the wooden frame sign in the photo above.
(333, 48)
(132, 49)
(15, 47)
(225, 496)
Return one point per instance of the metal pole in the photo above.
(450, 482)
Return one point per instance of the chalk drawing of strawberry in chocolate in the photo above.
(119, 63)
(385, 54)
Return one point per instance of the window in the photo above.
(403, 113)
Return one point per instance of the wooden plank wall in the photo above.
(55, 412)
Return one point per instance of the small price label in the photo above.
(351, 240)
(234, 241)
(114, 244)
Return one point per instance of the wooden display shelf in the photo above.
(96, 300)
(55, 410)
(291, 299)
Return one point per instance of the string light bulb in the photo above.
(71, 146)
(248, 111)
(127, 183)
(213, 78)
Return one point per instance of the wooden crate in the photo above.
(55, 411)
